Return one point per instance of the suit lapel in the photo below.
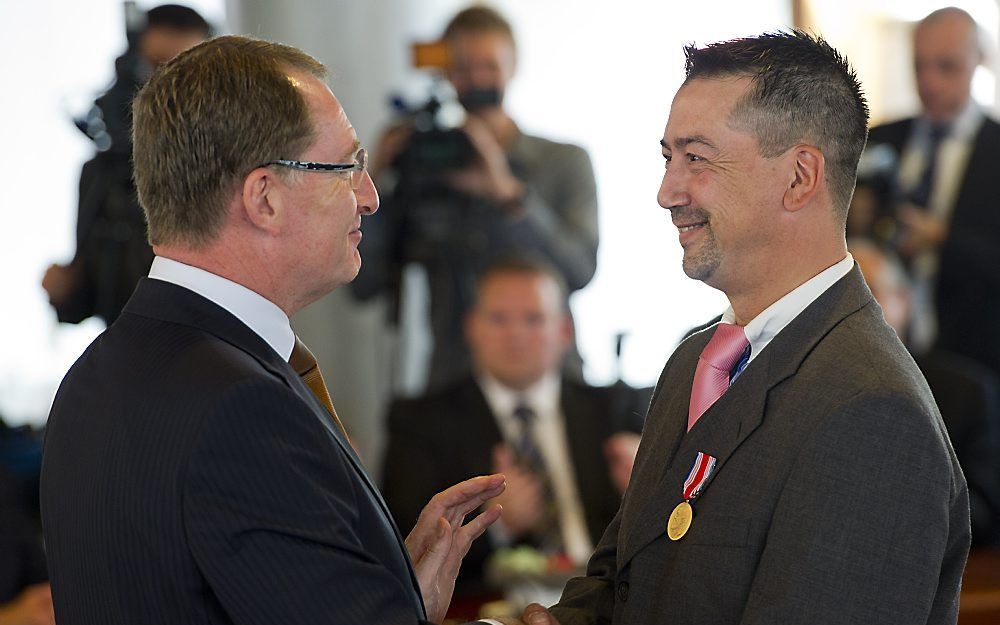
(734, 417)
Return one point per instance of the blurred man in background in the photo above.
(938, 206)
(112, 253)
(457, 200)
(566, 448)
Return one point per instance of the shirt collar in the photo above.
(256, 311)
(542, 396)
(963, 127)
(765, 326)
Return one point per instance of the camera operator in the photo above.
(455, 200)
(111, 248)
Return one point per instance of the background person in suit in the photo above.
(194, 467)
(518, 333)
(937, 204)
(835, 496)
(459, 200)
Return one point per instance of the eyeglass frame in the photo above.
(360, 164)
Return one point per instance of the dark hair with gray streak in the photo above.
(803, 91)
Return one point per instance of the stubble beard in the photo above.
(701, 263)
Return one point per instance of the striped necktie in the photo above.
(715, 367)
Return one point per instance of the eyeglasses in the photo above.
(356, 169)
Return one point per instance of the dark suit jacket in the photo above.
(968, 283)
(189, 476)
(449, 436)
(836, 499)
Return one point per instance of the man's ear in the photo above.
(809, 170)
(263, 194)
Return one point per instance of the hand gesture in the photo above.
(439, 540)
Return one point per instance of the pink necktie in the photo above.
(711, 377)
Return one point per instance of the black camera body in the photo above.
(433, 148)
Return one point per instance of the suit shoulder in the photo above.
(894, 133)
(433, 407)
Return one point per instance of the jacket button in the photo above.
(623, 591)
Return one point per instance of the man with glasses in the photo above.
(195, 469)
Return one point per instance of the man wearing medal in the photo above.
(794, 467)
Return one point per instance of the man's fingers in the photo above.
(466, 496)
(475, 528)
(535, 614)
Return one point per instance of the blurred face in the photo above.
(724, 198)
(325, 211)
(160, 44)
(945, 57)
(518, 330)
(480, 60)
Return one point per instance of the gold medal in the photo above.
(680, 521)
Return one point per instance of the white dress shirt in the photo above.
(259, 313)
(550, 436)
(773, 319)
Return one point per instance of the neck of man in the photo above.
(786, 274)
(236, 264)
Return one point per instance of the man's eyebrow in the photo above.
(682, 142)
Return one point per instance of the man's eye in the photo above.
(694, 158)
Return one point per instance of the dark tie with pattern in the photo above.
(304, 363)
(548, 531)
(921, 194)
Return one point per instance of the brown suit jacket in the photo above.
(837, 497)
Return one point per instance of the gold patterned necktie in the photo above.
(304, 363)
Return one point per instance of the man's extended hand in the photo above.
(439, 540)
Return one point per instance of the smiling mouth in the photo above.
(691, 227)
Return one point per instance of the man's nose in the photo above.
(367, 196)
(673, 190)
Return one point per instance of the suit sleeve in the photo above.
(274, 517)
(871, 526)
(563, 228)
